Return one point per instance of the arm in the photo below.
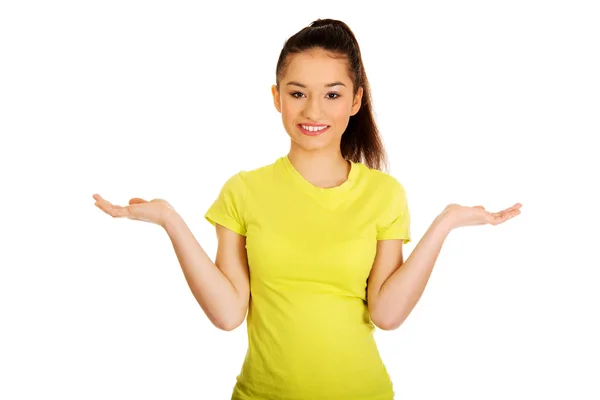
(394, 287)
(222, 288)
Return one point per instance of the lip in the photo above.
(309, 133)
(311, 124)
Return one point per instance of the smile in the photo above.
(311, 130)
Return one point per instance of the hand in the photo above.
(465, 216)
(155, 211)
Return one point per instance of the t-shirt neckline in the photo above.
(344, 187)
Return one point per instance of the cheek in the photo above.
(346, 108)
(341, 111)
(289, 110)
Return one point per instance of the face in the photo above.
(316, 100)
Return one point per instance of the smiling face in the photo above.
(316, 100)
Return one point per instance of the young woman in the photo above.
(310, 246)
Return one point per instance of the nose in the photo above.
(312, 109)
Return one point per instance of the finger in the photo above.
(137, 200)
(112, 210)
(101, 200)
(500, 213)
(508, 210)
(118, 211)
(500, 216)
(516, 206)
(104, 207)
(513, 214)
(513, 211)
(505, 217)
(102, 204)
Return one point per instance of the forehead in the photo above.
(316, 68)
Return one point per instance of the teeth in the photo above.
(313, 128)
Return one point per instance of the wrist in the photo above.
(170, 219)
(445, 221)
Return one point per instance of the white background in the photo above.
(487, 103)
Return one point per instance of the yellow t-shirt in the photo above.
(310, 252)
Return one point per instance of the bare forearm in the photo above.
(211, 288)
(403, 289)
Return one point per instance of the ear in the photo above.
(357, 101)
(276, 97)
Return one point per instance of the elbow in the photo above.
(227, 325)
(386, 325)
(226, 318)
(231, 322)
(385, 322)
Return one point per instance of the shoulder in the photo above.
(256, 173)
(242, 179)
(382, 181)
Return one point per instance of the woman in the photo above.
(319, 232)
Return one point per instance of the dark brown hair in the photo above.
(361, 141)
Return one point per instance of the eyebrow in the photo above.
(326, 85)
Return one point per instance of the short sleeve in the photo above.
(228, 209)
(395, 223)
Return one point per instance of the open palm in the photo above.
(477, 215)
(155, 211)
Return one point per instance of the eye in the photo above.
(330, 96)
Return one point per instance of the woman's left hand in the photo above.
(466, 216)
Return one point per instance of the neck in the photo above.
(325, 169)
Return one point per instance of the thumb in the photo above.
(137, 200)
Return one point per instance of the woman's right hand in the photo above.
(155, 211)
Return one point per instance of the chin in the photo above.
(311, 144)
